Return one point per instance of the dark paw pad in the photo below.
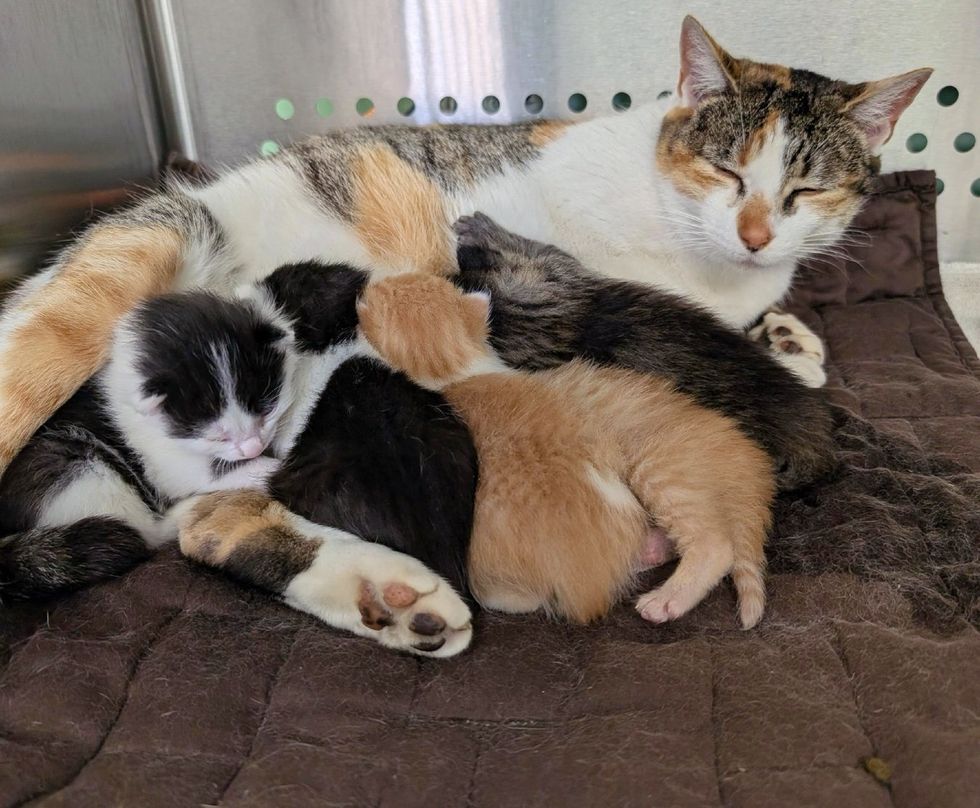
(374, 615)
(433, 645)
(428, 625)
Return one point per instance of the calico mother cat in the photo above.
(752, 168)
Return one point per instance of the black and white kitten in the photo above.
(187, 403)
(197, 391)
(548, 308)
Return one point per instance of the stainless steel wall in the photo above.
(78, 123)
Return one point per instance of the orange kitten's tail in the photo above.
(750, 585)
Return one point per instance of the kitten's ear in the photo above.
(148, 404)
(269, 334)
(702, 65)
(879, 104)
(478, 305)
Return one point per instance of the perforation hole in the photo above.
(964, 141)
(268, 148)
(947, 96)
(940, 186)
(285, 109)
(621, 102)
(916, 142)
(975, 187)
(364, 107)
(448, 105)
(491, 105)
(577, 102)
(406, 106)
(324, 107)
(663, 94)
(533, 104)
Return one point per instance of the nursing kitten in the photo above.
(187, 403)
(197, 388)
(752, 168)
(579, 465)
(548, 309)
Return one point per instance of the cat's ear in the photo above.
(878, 104)
(148, 404)
(703, 60)
(478, 305)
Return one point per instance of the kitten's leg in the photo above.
(479, 230)
(253, 474)
(348, 583)
(55, 330)
(94, 528)
(794, 345)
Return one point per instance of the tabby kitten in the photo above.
(716, 198)
(548, 309)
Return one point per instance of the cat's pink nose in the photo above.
(252, 447)
(755, 235)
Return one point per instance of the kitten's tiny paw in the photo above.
(795, 345)
(262, 468)
(478, 230)
(657, 607)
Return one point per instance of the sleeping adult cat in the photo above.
(752, 168)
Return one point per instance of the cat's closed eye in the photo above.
(728, 173)
(796, 193)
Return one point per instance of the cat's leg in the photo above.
(55, 331)
(712, 496)
(794, 345)
(348, 583)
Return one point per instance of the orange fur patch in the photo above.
(545, 132)
(399, 214)
(221, 523)
(752, 221)
(757, 139)
(424, 326)
(690, 174)
(66, 331)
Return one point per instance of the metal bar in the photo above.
(168, 68)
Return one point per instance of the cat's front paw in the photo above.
(794, 345)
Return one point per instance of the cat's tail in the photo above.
(44, 561)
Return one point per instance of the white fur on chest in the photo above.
(310, 377)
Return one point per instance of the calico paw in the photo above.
(347, 582)
(794, 345)
(415, 611)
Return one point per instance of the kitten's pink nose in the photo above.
(252, 447)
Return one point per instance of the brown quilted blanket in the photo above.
(173, 686)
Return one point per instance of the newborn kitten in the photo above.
(577, 463)
(548, 308)
(188, 403)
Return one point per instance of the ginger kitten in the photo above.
(582, 468)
